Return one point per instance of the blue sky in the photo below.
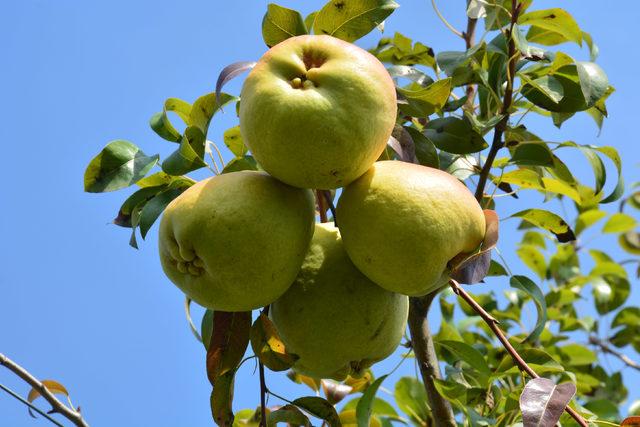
(80, 306)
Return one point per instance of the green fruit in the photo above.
(333, 318)
(317, 111)
(402, 223)
(235, 242)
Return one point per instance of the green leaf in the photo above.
(468, 354)
(280, 23)
(530, 288)
(351, 19)
(619, 223)
(588, 218)
(411, 398)
(233, 141)
(609, 292)
(241, 164)
(365, 404)
(308, 21)
(593, 81)
(426, 152)
(161, 124)
(554, 20)
(119, 165)
(189, 156)
(628, 316)
(605, 410)
(454, 135)
(532, 155)
(548, 221)
(400, 51)
(527, 178)
(594, 51)
(289, 414)
(549, 86)
(426, 101)
(496, 269)
(137, 199)
(380, 407)
(206, 328)
(577, 355)
(534, 259)
(205, 108)
(539, 360)
(154, 207)
(320, 408)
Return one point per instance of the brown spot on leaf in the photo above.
(339, 5)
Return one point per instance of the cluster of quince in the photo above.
(316, 113)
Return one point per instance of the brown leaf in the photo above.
(401, 142)
(470, 269)
(229, 72)
(229, 341)
(542, 402)
(268, 347)
(221, 400)
(631, 421)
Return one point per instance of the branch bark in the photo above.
(425, 354)
(604, 346)
(58, 407)
(497, 142)
(493, 324)
(469, 36)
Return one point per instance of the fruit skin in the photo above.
(401, 223)
(242, 237)
(317, 111)
(333, 318)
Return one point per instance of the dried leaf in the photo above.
(229, 72)
(187, 310)
(51, 385)
(542, 402)
(472, 269)
(631, 421)
(229, 341)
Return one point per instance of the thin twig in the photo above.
(427, 360)
(72, 415)
(444, 21)
(604, 346)
(30, 405)
(263, 385)
(497, 142)
(493, 324)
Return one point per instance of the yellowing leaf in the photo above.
(268, 346)
(554, 20)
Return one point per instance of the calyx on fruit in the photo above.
(317, 111)
(401, 224)
(235, 242)
(333, 318)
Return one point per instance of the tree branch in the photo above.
(469, 36)
(604, 346)
(493, 324)
(58, 407)
(497, 143)
(29, 404)
(425, 354)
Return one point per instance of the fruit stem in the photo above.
(425, 354)
(493, 324)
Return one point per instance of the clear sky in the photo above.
(76, 303)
